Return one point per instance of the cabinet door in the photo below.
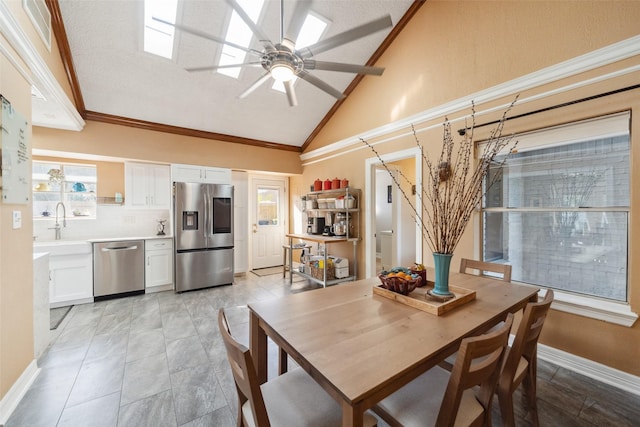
(136, 180)
(159, 268)
(217, 175)
(71, 278)
(147, 186)
(186, 173)
(160, 185)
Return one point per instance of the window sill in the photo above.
(595, 308)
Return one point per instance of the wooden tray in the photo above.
(418, 298)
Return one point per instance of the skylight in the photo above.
(158, 37)
(310, 33)
(240, 34)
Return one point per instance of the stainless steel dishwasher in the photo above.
(118, 268)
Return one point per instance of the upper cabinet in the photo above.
(202, 174)
(147, 186)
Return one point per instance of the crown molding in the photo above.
(595, 59)
(159, 127)
(41, 76)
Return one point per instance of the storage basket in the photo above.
(318, 273)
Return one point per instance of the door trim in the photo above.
(370, 189)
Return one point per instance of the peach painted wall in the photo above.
(102, 139)
(452, 49)
(16, 259)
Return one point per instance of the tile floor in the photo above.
(158, 360)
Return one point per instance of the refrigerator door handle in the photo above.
(205, 198)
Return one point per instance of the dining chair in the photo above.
(504, 269)
(520, 364)
(481, 266)
(290, 399)
(439, 398)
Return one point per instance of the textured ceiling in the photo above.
(117, 77)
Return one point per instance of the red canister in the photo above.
(344, 183)
(327, 185)
(317, 185)
(335, 184)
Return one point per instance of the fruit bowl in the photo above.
(400, 284)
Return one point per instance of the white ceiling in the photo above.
(117, 77)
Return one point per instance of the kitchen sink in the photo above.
(63, 247)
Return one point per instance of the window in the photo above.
(73, 185)
(560, 212)
(239, 33)
(158, 37)
(268, 206)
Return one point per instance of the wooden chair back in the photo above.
(504, 269)
(515, 370)
(244, 374)
(478, 364)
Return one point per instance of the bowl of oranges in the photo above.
(400, 280)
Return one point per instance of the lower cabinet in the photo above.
(70, 279)
(158, 270)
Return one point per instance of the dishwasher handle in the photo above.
(120, 248)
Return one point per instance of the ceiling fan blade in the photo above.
(320, 84)
(311, 64)
(291, 93)
(217, 67)
(208, 36)
(346, 37)
(300, 13)
(266, 76)
(262, 37)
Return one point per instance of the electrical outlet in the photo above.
(17, 220)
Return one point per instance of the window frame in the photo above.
(617, 312)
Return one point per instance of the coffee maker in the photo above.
(315, 225)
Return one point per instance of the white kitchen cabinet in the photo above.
(202, 174)
(158, 270)
(70, 279)
(147, 186)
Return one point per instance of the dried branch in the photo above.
(455, 185)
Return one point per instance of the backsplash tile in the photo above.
(111, 221)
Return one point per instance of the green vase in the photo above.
(442, 263)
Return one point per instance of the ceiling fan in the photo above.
(282, 61)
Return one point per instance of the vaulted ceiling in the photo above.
(116, 81)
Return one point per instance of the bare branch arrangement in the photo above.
(455, 184)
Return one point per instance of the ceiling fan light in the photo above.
(282, 72)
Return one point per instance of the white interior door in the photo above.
(268, 221)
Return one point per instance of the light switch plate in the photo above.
(17, 220)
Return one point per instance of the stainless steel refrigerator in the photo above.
(203, 230)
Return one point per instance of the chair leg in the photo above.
(505, 399)
(530, 385)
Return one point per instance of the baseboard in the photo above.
(597, 371)
(17, 391)
(161, 288)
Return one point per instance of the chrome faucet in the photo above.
(64, 220)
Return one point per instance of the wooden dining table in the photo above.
(361, 347)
